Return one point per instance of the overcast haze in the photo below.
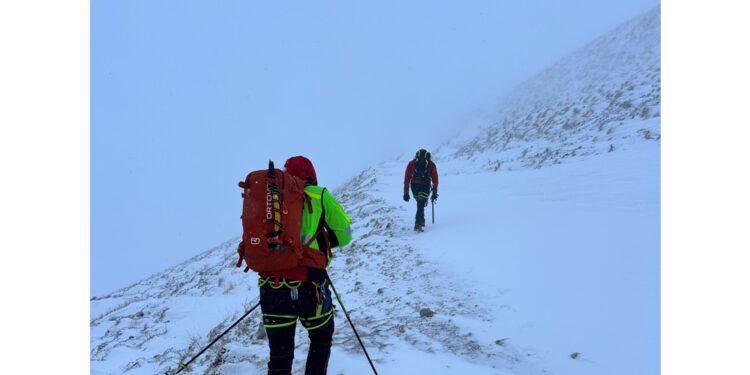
(188, 96)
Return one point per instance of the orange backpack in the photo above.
(271, 219)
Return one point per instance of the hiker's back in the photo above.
(289, 227)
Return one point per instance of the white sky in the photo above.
(187, 97)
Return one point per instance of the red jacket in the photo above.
(408, 178)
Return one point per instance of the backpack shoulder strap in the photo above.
(321, 222)
(326, 238)
(322, 206)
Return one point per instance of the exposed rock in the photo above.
(426, 313)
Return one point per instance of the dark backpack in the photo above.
(421, 169)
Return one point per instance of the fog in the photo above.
(189, 96)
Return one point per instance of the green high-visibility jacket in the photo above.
(336, 218)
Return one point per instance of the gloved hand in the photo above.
(406, 196)
(434, 196)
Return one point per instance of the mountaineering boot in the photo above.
(419, 219)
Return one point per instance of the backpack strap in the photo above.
(321, 221)
(276, 198)
(307, 200)
(324, 231)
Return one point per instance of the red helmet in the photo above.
(302, 167)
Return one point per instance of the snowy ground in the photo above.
(521, 268)
(565, 258)
(562, 259)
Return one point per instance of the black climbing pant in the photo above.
(420, 192)
(310, 303)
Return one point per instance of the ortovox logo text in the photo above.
(269, 206)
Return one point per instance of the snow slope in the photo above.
(596, 100)
(534, 255)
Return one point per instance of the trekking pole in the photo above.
(433, 211)
(351, 324)
(184, 366)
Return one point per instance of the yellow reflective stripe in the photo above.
(279, 325)
(321, 324)
(313, 195)
(272, 318)
(316, 316)
(281, 316)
